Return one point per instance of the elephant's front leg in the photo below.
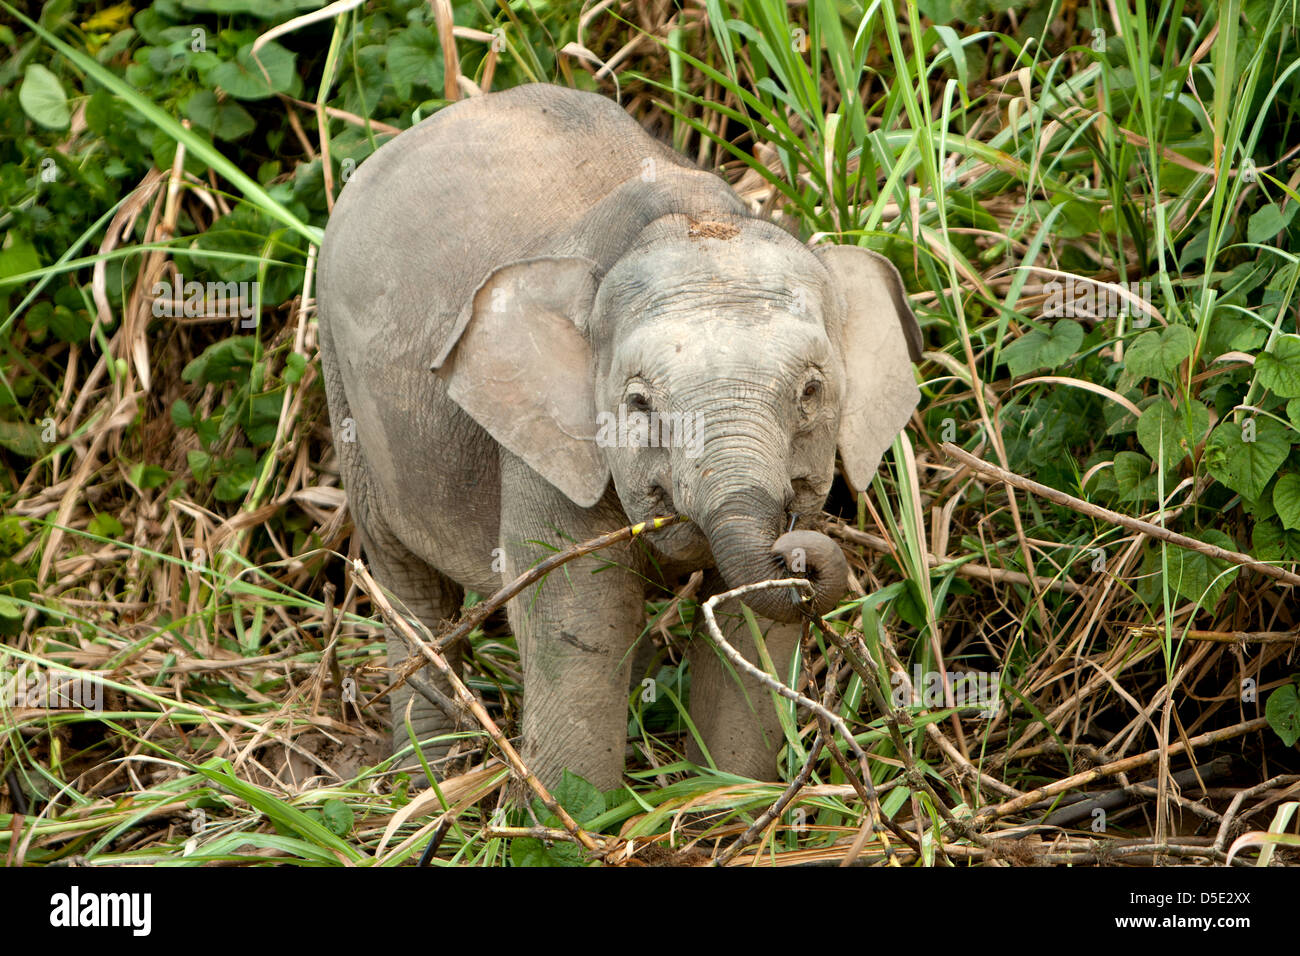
(575, 631)
(733, 712)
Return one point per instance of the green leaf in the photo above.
(106, 526)
(337, 816)
(11, 615)
(1270, 542)
(146, 477)
(1268, 221)
(226, 120)
(182, 417)
(22, 438)
(1279, 368)
(264, 417)
(1038, 349)
(265, 9)
(1293, 411)
(250, 77)
(581, 801)
(18, 259)
(226, 361)
(43, 99)
(234, 480)
(1179, 429)
(294, 367)
(1283, 713)
(526, 851)
(1243, 464)
(1157, 354)
(1196, 576)
(200, 463)
(1286, 499)
(415, 59)
(1133, 477)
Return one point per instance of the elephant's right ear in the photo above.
(517, 362)
(880, 340)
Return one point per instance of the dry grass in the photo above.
(225, 631)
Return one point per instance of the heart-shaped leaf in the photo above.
(1286, 499)
(1244, 457)
(42, 98)
(1279, 368)
(1157, 354)
(1175, 430)
(1038, 349)
(250, 77)
(1198, 577)
(1268, 221)
(1133, 477)
(415, 59)
(1283, 713)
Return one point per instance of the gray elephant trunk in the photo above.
(745, 536)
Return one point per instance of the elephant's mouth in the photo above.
(661, 502)
(748, 550)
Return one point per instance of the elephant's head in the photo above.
(712, 369)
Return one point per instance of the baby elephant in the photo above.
(613, 336)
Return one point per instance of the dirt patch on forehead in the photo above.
(711, 230)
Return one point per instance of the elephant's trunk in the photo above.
(744, 533)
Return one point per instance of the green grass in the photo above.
(186, 540)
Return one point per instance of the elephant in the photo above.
(538, 324)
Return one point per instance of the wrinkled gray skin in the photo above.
(553, 261)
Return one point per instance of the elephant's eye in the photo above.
(637, 401)
(810, 397)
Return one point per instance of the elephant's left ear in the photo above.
(879, 341)
(517, 362)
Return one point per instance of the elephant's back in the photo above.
(485, 181)
(417, 228)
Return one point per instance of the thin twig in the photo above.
(1113, 517)
(1223, 637)
(479, 613)
(913, 773)
(738, 661)
(965, 569)
(1025, 801)
(1221, 838)
(472, 704)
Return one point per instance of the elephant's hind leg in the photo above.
(431, 598)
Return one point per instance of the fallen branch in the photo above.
(1027, 800)
(1114, 799)
(1221, 838)
(480, 612)
(1223, 637)
(982, 467)
(476, 615)
(965, 569)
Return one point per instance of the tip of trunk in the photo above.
(812, 555)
